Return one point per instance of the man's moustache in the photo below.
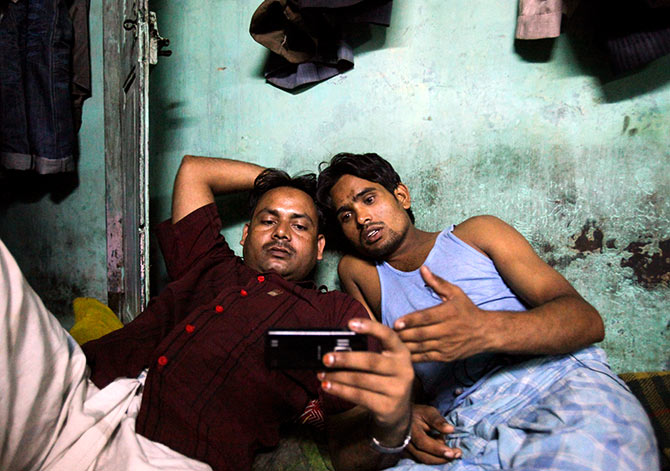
(279, 245)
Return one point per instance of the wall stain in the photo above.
(429, 181)
(431, 191)
(590, 239)
(58, 294)
(652, 267)
(564, 261)
(546, 247)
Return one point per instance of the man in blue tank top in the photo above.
(501, 342)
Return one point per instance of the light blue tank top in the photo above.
(405, 292)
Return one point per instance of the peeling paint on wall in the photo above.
(590, 239)
(650, 262)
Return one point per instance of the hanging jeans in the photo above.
(36, 130)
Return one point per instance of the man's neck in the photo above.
(413, 250)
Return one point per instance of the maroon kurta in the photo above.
(208, 393)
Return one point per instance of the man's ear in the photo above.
(245, 233)
(320, 245)
(401, 193)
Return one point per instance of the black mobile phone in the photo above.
(304, 348)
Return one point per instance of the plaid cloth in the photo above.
(565, 412)
(653, 391)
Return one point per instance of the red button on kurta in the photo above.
(218, 308)
(243, 292)
(162, 360)
(189, 328)
(261, 278)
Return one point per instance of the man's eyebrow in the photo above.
(271, 212)
(302, 216)
(357, 197)
(275, 213)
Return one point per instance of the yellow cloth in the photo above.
(92, 320)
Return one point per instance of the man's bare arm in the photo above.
(359, 280)
(559, 321)
(200, 178)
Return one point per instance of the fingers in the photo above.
(370, 362)
(386, 396)
(430, 316)
(371, 379)
(430, 448)
(381, 382)
(388, 338)
(424, 318)
(371, 370)
(429, 429)
(384, 405)
(443, 288)
(432, 332)
(424, 346)
(440, 454)
(432, 417)
(425, 457)
(393, 361)
(423, 357)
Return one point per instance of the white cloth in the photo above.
(53, 417)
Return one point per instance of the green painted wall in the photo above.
(55, 226)
(473, 122)
(534, 133)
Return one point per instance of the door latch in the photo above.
(156, 41)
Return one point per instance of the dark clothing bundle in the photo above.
(633, 32)
(208, 393)
(307, 36)
(44, 80)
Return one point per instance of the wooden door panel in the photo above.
(126, 154)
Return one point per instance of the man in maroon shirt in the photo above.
(207, 392)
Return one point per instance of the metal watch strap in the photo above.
(377, 446)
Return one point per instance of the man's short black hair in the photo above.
(368, 166)
(272, 178)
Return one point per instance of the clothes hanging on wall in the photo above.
(81, 58)
(633, 33)
(540, 19)
(307, 37)
(38, 123)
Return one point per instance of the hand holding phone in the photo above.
(380, 381)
